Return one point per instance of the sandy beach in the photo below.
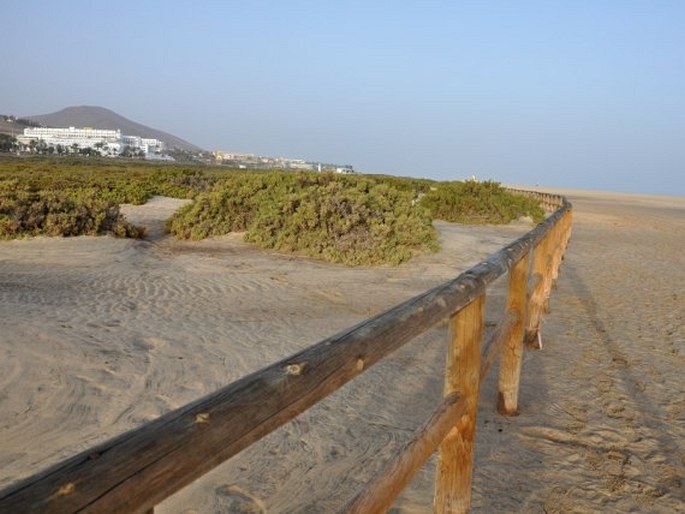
(100, 335)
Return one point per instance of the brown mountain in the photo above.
(101, 118)
(12, 126)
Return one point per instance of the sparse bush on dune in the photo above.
(478, 202)
(230, 206)
(68, 197)
(28, 213)
(347, 223)
(118, 181)
(347, 219)
(352, 220)
(183, 183)
(211, 214)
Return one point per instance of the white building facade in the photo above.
(105, 141)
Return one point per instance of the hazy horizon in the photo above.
(582, 95)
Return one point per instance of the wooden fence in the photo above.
(139, 469)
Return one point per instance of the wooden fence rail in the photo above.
(137, 470)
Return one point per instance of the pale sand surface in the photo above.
(98, 335)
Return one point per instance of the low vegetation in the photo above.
(478, 202)
(351, 219)
(24, 212)
(348, 219)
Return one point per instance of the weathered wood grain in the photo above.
(494, 344)
(454, 467)
(512, 355)
(541, 272)
(380, 493)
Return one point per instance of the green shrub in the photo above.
(351, 220)
(350, 225)
(229, 206)
(478, 202)
(29, 213)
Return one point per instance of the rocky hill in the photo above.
(12, 126)
(101, 118)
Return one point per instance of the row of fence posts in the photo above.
(462, 375)
(549, 202)
(451, 428)
(529, 287)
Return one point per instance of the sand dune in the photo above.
(99, 335)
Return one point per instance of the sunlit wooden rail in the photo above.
(139, 469)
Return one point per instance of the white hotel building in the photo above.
(109, 142)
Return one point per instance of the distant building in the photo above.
(105, 141)
(147, 145)
(72, 132)
(250, 160)
(220, 155)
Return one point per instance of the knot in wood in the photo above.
(66, 489)
(294, 369)
(202, 417)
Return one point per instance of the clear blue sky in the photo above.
(576, 93)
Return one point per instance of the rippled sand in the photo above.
(99, 335)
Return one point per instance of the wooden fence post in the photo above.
(568, 226)
(380, 493)
(561, 234)
(512, 353)
(554, 253)
(462, 375)
(541, 268)
(564, 226)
